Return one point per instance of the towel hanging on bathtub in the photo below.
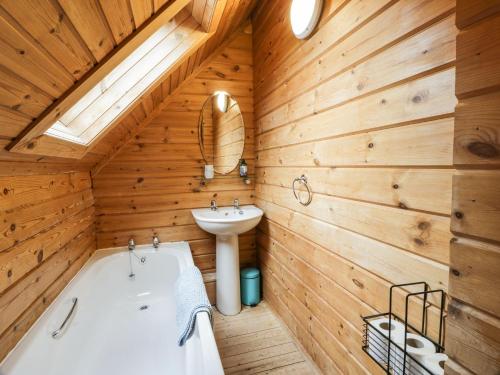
(190, 298)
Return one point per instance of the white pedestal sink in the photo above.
(227, 223)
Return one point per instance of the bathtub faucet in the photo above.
(131, 244)
(156, 242)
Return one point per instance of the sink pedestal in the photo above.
(227, 223)
(228, 274)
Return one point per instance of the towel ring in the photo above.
(302, 180)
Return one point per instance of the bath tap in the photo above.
(131, 248)
(131, 244)
(213, 205)
(156, 242)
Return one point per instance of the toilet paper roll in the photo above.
(378, 337)
(419, 348)
(434, 363)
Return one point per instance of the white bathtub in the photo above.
(109, 333)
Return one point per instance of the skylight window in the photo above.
(119, 89)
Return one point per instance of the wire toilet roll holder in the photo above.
(393, 357)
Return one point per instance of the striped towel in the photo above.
(190, 298)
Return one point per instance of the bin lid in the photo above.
(249, 273)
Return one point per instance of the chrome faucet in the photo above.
(156, 242)
(131, 248)
(213, 205)
(131, 244)
(236, 204)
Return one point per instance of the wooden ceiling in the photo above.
(49, 47)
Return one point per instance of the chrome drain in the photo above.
(144, 307)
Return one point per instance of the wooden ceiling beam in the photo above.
(51, 146)
(23, 142)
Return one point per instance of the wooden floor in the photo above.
(257, 342)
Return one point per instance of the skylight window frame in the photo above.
(172, 37)
(32, 139)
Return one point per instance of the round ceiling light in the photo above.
(304, 16)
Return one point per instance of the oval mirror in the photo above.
(221, 132)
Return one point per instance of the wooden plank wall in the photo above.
(153, 183)
(473, 331)
(47, 234)
(365, 108)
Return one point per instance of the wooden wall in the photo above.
(47, 234)
(153, 183)
(473, 332)
(365, 109)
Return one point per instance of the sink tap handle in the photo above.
(213, 205)
(156, 242)
(131, 244)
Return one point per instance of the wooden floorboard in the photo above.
(257, 342)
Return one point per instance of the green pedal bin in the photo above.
(250, 286)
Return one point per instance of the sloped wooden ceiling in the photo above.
(48, 46)
(235, 12)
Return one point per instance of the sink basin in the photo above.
(227, 223)
(227, 220)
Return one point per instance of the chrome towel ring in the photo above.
(303, 181)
